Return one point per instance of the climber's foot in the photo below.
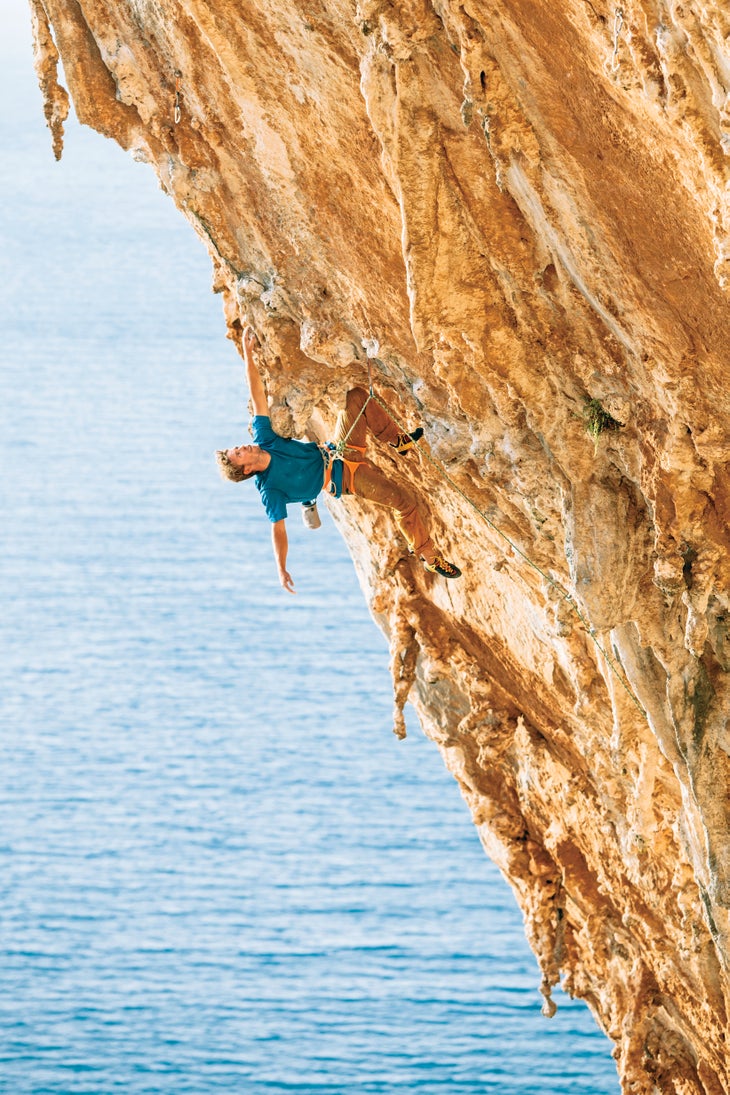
(405, 441)
(441, 566)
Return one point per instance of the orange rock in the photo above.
(527, 205)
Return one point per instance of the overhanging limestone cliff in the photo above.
(527, 203)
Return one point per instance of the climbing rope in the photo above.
(342, 445)
(552, 582)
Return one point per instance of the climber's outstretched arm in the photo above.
(253, 376)
(281, 547)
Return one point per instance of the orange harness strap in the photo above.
(351, 465)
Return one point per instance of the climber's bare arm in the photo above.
(253, 376)
(281, 547)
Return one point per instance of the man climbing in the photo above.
(287, 471)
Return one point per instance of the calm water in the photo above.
(218, 869)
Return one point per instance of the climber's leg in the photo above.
(374, 419)
(364, 480)
(372, 484)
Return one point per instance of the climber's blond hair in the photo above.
(229, 470)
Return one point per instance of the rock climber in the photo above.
(287, 471)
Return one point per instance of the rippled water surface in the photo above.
(218, 869)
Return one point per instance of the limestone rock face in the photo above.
(527, 204)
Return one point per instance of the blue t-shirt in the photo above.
(296, 471)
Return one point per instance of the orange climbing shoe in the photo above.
(442, 567)
(405, 441)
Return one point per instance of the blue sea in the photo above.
(219, 870)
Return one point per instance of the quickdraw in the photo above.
(618, 22)
(178, 92)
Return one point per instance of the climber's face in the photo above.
(249, 458)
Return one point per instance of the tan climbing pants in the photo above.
(364, 480)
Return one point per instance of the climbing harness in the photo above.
(552, 582)
(618, 22)
(335, 464)
(178, 93)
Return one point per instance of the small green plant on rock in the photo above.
(598, 420)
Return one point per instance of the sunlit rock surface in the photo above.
(527, 205)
